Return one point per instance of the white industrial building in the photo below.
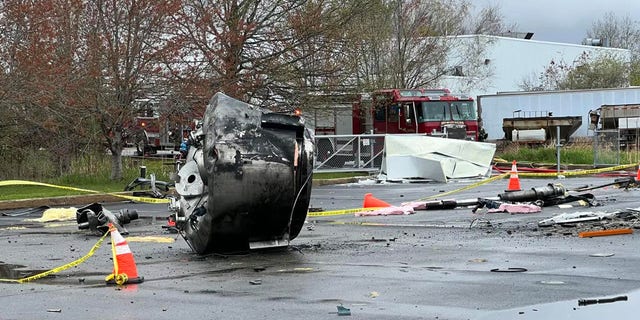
(509, 61)
(494, 108)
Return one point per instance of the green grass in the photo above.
(91, 174)
(547, 154)
(576, 154)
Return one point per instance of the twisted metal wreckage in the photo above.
(246, 182)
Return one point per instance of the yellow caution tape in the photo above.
(32, 183)
(338, 212)
(61, 268)
(119, 278)
(575, 173)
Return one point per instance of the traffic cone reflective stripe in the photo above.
(124, 265)
(514, 181)
(372, 202)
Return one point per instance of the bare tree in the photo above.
(618, 32)
(410, 43)
(39, 89)
(586, 72)
(126, 41)
(489, 21)
(258, 50)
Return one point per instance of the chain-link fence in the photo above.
(606, 147)
(349, 152)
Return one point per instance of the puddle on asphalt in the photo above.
(622, 306)
(14, 272)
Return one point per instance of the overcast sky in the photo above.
(560, 20)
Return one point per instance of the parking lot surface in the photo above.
(434, 264)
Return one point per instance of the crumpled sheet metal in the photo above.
(576, 217)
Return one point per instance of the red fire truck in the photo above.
(154, 132)
(434, 112)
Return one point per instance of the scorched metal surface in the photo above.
(246, 182)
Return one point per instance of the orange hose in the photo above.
(600, 233)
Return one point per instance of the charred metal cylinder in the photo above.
(542, 193)
(246, 181)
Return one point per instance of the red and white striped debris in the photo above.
(388, 211)
(514, 208)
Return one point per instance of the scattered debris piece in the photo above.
(296, 270)
(155, 239)
(54, 310)
(625, 183)
(602, 255)
(56, 214)
(575, 217)
(509, 270)
(25, 212)
(95, 218)
(603, 233)
(342, 311)
(541, 193)
(405, 210)
(514, 208)
(256, 282)
(373, 294)
(143, 182)
(572, 224)
(586, 302)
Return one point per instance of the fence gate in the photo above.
(361, 152)
(606, 147)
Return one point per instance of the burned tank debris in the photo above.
(246, 180)
(95, 217)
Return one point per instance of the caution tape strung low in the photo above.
(338, 212)
(60, 268)
(32, 183)
(577, 172)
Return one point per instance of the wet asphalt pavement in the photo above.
(429, 265)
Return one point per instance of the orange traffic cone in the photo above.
(372, 202)
(514, 181)
(638, 174)
(124, 266)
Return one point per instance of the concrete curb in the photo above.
(324, 182)
(60, 201)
